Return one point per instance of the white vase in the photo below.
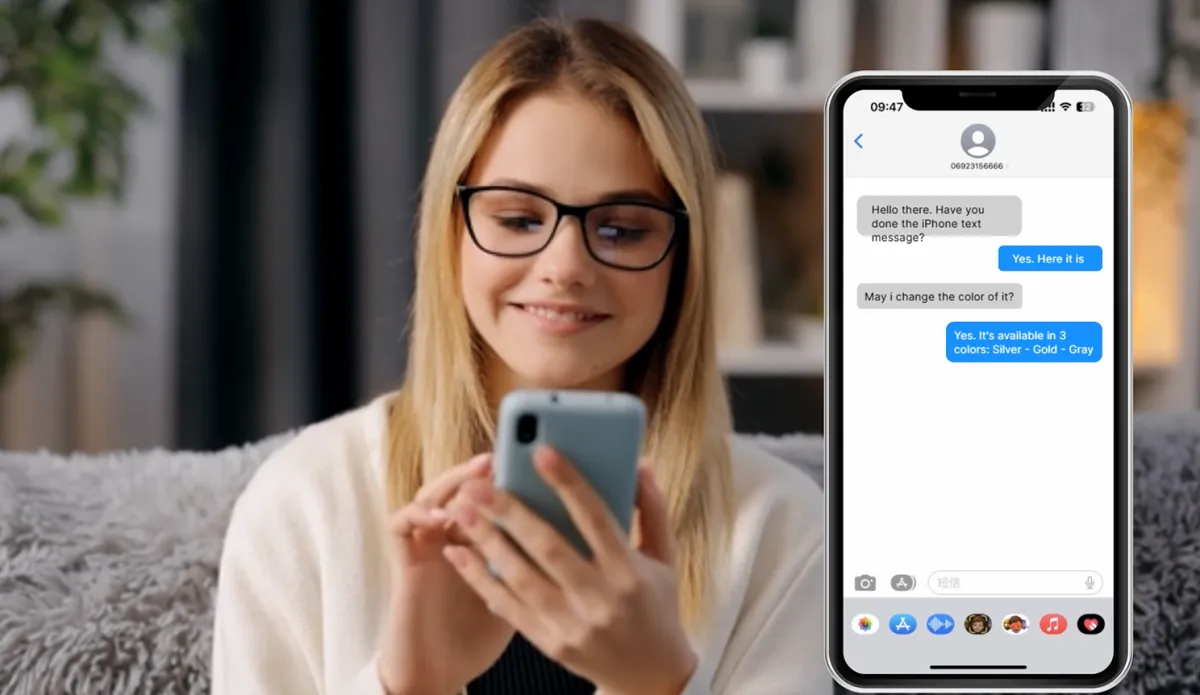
(765, 64)
(808, 332)
(1005, 34)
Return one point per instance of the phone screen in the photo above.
(979, 393)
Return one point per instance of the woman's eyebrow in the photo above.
(523, 185)
(633, 195)
(623, 195)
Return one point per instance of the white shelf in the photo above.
(823, 45)
(733, 95)
(775, 359)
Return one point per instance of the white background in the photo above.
(962, 466)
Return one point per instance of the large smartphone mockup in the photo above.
(978, 381)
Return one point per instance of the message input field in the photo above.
(1015, 583)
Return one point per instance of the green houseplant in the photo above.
(56, 56)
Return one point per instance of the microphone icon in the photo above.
(1090, 583)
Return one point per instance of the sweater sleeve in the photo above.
(256, 649)
(267, 635)
(787, 651)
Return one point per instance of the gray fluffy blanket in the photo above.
(108, 565)
(108, 569)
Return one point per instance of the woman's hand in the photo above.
(440, 635)
(614, 619)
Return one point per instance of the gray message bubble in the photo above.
(946, 295)
(900, 217)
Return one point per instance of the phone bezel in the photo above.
(1010, 91)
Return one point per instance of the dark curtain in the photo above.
(306, 125)
(266, 264)
(220, 72)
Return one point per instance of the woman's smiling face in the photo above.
(560, 318)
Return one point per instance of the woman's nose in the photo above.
(566, 260)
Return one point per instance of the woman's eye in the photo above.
(612, 232)
(520, 223)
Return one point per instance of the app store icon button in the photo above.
(902, 624)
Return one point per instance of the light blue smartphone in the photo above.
(599, 432)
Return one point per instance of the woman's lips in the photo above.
(561, 320)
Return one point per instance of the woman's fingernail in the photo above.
(439, 514)
(546, 458)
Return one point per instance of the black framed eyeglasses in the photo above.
(517, 223)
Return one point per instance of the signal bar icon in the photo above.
(940, 624)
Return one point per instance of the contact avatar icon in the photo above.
(978, 141)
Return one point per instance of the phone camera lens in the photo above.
(527, 428)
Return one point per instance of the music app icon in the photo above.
(1054, 624)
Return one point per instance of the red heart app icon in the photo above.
(1091, 624)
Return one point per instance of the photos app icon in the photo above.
(865, 624)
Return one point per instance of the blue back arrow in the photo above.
(856, 141)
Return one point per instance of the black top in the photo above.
(523, 670)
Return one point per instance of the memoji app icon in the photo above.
(1015, 624)
(977, 624)
(865, 624)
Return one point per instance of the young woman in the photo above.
(566, 241)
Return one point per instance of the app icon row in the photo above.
(976, 624)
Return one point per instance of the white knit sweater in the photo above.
(304, 574)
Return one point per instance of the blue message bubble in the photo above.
(1051, 258)
(1023, 341)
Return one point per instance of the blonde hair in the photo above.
(442, 416)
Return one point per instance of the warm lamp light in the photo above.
(1159, 143)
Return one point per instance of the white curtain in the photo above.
(88, 385)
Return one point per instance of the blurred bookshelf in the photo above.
(753, 55)
(760, 70)
(775, 359)
(732, 95)
(759, 95)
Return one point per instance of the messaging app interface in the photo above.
(978, 385)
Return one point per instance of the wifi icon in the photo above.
(1065, 106)
(940, 624)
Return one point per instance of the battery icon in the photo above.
(1085, 106)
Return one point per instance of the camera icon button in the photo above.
(864, 582)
